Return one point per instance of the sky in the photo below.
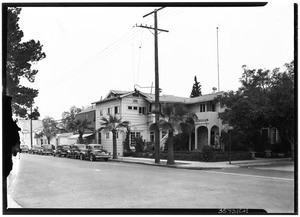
(92, 50)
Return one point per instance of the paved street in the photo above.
(52, 182)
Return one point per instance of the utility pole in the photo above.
(31, 125)
(156, 111)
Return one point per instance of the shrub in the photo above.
(128, 153)
(180, 142)
(208, 153)
(139, 144)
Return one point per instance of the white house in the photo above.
(25, 138)
(135, 107)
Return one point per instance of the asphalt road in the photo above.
(52, 182)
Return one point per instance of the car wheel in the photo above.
(92, 158)
(106, 159)
(81, 157)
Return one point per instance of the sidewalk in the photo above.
(204, 165)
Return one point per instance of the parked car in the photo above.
(47, 150)
(35, 150)
(75, 150)
(94, 152)
(61, 150)
(24, 148)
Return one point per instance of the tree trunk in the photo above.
(48, 139)
(291, 141)
(190, 141)
(114, 145)
(170, 160)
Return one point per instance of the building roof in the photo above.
(88, 109)
(164, 98)
(25, 125)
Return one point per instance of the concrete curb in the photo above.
(237, 164)
(169, 166)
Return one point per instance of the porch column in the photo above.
(208, 136)
(196, 138)
(190, 142)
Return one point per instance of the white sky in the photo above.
(93, 50)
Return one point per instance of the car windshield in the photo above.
(66, 147)
(96, 147)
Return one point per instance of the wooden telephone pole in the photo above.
(156, 110)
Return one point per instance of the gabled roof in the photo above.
(116, 93)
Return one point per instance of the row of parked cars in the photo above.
(77, 151)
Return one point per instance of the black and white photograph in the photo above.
(150, 108)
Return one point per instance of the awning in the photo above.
(77, 135)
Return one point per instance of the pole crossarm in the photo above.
(150, 27)
(153, 12)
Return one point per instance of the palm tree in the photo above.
(113, 124)
(175, 118)
(79, 126)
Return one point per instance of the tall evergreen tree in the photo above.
(196, 91)
(19, 59)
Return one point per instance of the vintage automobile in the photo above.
(24, 148)
(35, 150)
(61, 150)
(75, 150)
(94, 152)
(47, 150)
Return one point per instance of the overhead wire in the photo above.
(124, 39)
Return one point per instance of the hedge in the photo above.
(205, 156)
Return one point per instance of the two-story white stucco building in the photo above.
(135, 107)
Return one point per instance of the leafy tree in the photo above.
(113, 124)
(174, 119)
(71, 123)
(20, 57)
(80, 126)
(281, 111)
(196, 91)
(49, 128)
(69, 117)
(265, 99)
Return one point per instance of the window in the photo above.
(101, 112)
(108, 111)
(213, 107)
(117, 109)
(117, 135)
(133, 136)
(135, 101)
(151, 136)
(273, 136)
(107, 135)
(149, 109)
(129, 107)
(202, 107)
(134, 108)
(142, 110)
(99, 137)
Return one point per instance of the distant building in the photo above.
(25, 139)
(89, 135)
